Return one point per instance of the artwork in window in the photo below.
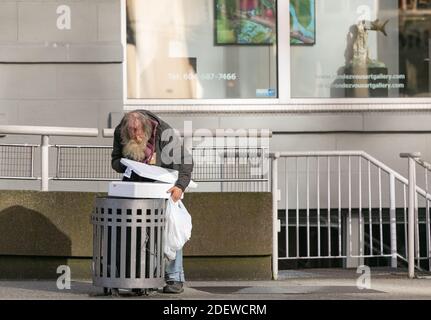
(245, 22)
(302, 22)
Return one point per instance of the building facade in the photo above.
(224, 64)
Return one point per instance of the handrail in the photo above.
(365, 155)
(49, 131)
(19, 144)
(82, 146)
(416, 156)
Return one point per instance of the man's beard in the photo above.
(135, 150)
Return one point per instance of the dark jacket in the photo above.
(164, 151)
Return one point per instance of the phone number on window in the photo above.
(203, 76)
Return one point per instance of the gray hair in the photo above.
(142, 118)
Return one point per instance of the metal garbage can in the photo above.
(128, 243)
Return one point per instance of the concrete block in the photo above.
(38, 21)
(115, 118)
(46, 224)
(227, 268)
(176, 122)
(39, 231)
(109, 21)
(8, 21)
(397, 121)
(42, 268)
(198, 122)
(66, 113)
(195, 269)
(61, 52)
(90, 81)
(108, 52)
(229, 220)
(106, 109)
(27, 81)
(61, 81)
(310, 122)
(57, 223)
(303, 142)
(381, 146)
(9, 109)
(33, 52)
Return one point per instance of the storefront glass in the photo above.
(201, 49)
(360, 48)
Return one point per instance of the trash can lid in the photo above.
(139, 190)
(152, 172)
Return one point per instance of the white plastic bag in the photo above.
(178, 228)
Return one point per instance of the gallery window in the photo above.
(360, 48)
(201, 49)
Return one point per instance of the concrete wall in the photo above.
(231, 236)
(59, 77)
(53, 77)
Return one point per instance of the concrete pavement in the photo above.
(315, 284)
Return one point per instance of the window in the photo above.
(360, 48)
(201, 49)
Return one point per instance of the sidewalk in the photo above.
(292, 285)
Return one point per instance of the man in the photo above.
(144, 137)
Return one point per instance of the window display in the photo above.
(366, 49)
(201, 49)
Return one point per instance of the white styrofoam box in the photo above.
(140, 190)
(153, 172)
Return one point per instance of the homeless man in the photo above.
(142, 136)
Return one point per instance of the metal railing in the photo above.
(85, 163)
(419, 213)
(222, 159)
(230, 166)
(44, 133)
(17, 161)
(244, 169)
(238, 169)
(339, 205)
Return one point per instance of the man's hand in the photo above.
(176, 193)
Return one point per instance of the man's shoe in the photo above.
(173, 287)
